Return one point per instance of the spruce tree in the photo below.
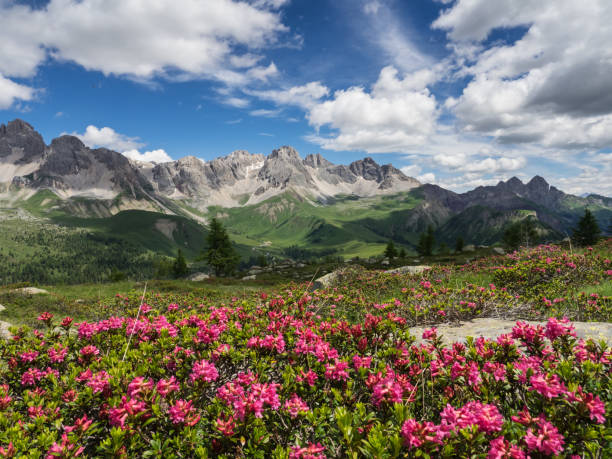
(390, 251)
(520, 233)
(459, 244)
(426, 242)
(587, 232)
(179, 267)
(220, 255)
(402, 253)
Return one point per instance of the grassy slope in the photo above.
(287, 220)
(135, 226)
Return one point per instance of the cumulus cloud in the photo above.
(429, 177)
(464, 163)
(551, 87)
(238, 102)
(301, 96)
(213, 39)
(414, 170)
(157, 156)
(411, 171)
(590, 179)
(397, 114)
(106, 137)
(10, 92)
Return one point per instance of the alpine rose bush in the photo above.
(282, 374)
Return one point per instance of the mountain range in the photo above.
(275, 201)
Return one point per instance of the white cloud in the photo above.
(302, 96)
(411, 171)
(107, 137)
(429, 177)
(265, 113)
(464, 163)
(157, 156)
(237, 102)
(11, 92)
(263, 73)
(552, 87)
(371, 7)
(398, 45)
(396, 115)
(590, 179)
(271, 3)
(191, 39)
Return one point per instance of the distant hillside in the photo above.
(268, 203)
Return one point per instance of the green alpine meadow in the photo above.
(313, 229)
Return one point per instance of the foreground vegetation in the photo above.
(287, 372)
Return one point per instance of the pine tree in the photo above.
(459, 245)
(220, 255)
(521, 233)
(402, 253)
(426, 242)
(179, 267)
(587, 232)
(390, 251)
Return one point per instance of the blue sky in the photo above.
(459, 93)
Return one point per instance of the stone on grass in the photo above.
(408, 269)
(32, 291)
(197, 277)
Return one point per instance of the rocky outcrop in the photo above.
(20, 142)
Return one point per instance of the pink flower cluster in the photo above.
(203, 371)
(183, 412)
(312, 451)
(119, 415)
(245, 395)
(269, 342)
(296, 406)
(484, 416)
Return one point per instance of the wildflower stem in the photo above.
(134, 326)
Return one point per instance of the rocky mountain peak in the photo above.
(19, 140)
(67, 144)
(367, 168)
(15, 127)
(513, 185)
(286, 153)
(316, 160)
(189, 161)
(239, 154)
(538, 183)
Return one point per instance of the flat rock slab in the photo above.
(4, 330)
(408, 269)
(32, 291)
(198, 277)
(492, 328)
